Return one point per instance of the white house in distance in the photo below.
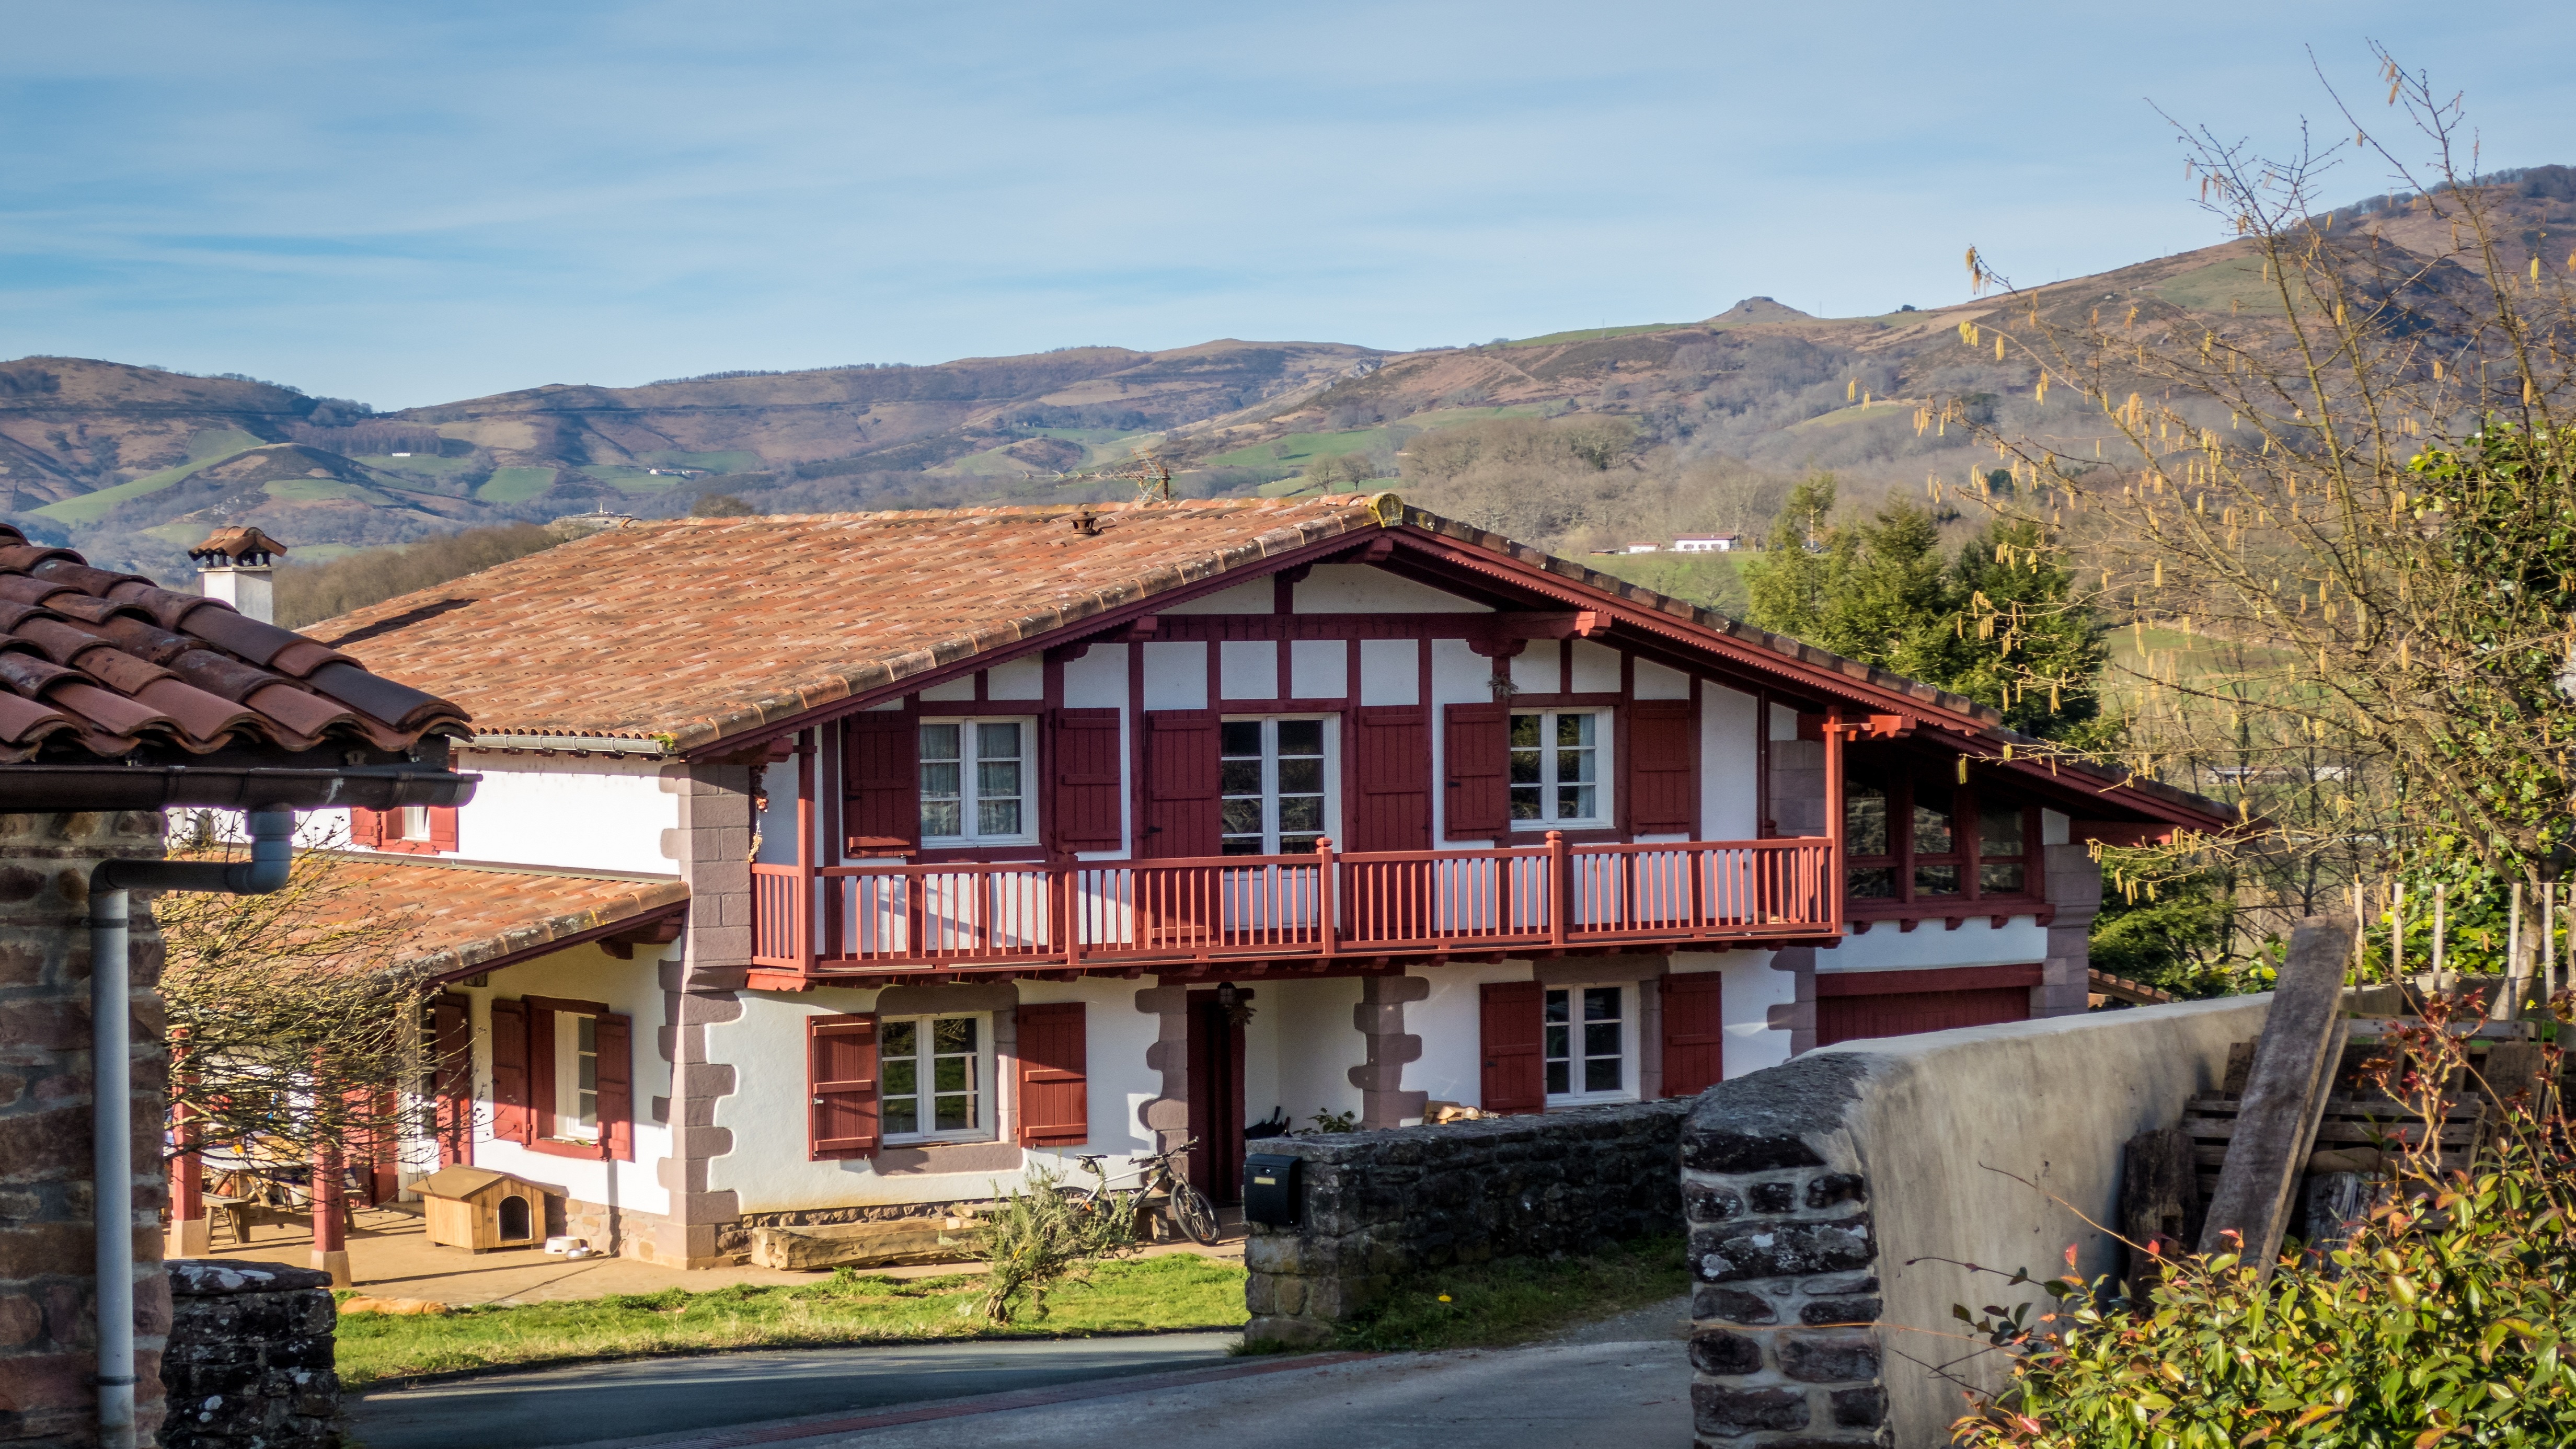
(845, 866)
(1705, 543)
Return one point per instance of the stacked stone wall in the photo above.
(248, 1364)
(1380, 1205)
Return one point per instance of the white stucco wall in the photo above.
(599, 813)
(1452, 1065)
(1318, 1042)
(768, 1169)
(2020, 941)
(1752, 988)
(1730, 765)
(1362, 589)
(632, 989)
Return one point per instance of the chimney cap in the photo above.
(235, 547)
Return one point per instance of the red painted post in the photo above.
(1560, 886)
(1833, 882)
(1328, 925)
(803, 896)
(330, 1238)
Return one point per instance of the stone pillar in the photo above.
(2074, 892)
(1783, 1255)
(1167, 1116)
(1380, 1078)
(702, 988)
(250, 1357)
(48, 1302)
(1798, 1018)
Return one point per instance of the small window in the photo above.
(1271, 786)
(1586, 1043)
(411, 822)
(1931, 842)
(2003, 847)
(974, 782)
(576, 1077)
(933, 1071)
(1557, 769)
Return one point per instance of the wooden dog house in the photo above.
(477, 1208)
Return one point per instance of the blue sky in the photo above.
(418, 203)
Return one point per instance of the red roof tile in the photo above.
(95, 663)
(464, 915)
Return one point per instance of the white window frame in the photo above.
(968, 741)
(1603, 732)
(1270, 723)
(1630, 1059)
(986, 1125)
(411, 823)
(568, 1088)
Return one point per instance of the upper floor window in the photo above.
(974, 782)
(410, 822)
(1271, 786)
(932, 1074)
(1557, 769)
(1908, 840)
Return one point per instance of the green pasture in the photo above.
(733, 460)
(515, 485)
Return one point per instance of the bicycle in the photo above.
(1161, 1188)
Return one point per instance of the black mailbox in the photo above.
(1270, 1194)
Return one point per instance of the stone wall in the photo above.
(48, 1303)
(1831, 1200)
(249, 1360)
(1380, 1205)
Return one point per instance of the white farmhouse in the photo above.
(834, 867)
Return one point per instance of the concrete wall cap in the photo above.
(214, 1277)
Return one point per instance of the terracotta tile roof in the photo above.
(94, 663)
(695, 629)
(466, 915)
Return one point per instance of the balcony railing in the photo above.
(1096, 914)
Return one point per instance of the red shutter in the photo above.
(882, 782)
(451, 1078)
(841, 1078)
(442, 827)
(1084, 812)
(1055, 1097)
(1390, 768)
(1515, 1079)
(545, 1086)
(1180, 785)
(1905, 1013)
(366, 827)
(616, 1089)
(1694, 1033)
(511, 1119)
(1663, 767)
(1477, 755)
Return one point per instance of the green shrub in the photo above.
(1044, 1238)
(2444, 1319)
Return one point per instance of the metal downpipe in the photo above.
(111, 1008)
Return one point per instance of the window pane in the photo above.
(941, 779)
(1241, 845)
(902, 1114)
(1560, 1078)
(1601, 1003)
(1573, 766)
(955, 1114)
(902, 1076)
(1574, 729)
(939, 742)
(1239, 777)
(1301, 812)
(1557, 1006)
(942, 817)
(901, 1039)
(1601, 1074)
(1301, 737)
(997, 817)
(997, 741)
(587, 1033)
(1239, 737)
(1574, 802)
(1871, 883)
(1525, 731)
(997, 778)
(1999, 830)
(1240, 815)
(1932, 823)
(1601, 1038)
(1301, 776)
(1864, 819)
(948, 1074)
(1936, 880)
(1525, 802)
(953, 1034)
(2001, 879)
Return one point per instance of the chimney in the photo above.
(236, 566)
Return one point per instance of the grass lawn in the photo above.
(1174, 1291)
(1515, 1300)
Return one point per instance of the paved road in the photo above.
(644, 1398)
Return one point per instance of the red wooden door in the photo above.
(1181, 785)
(1216, 1100)
(1515, 1079)
(1694, 1033)
(1904, 1013)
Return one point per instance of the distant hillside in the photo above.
(1702, 419)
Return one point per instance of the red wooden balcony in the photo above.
(877, 920)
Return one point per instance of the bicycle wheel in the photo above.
(1194, 1214)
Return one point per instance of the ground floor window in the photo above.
(935, 1070)
(1587, 1043)
(576, 1077)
